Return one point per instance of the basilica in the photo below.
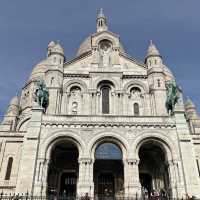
(106, 126)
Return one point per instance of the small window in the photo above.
(136, 109)
(155, 61)
(52, 80)
(54, 59)
(198, 166)
(105, 99)
(9, 168)
(158, 81)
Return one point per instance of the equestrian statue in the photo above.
(42, 94)
(172, 96)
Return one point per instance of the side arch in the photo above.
(137, 83)
(75, 82)
(22, 124)
(160, 139)
(50, 142)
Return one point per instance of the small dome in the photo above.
(152, 50)
(14, 101)
(55, 47)
(189, 104)
(51, 44)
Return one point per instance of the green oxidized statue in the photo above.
(42, 94)
(172, 96)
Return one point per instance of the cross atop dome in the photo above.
(101, 21)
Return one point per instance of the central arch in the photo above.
(108, 172)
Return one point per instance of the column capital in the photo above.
(85, 160)
(131, 161)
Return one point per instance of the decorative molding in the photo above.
(77, 75)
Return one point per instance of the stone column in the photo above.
(131, 178)
(172, 178)
(41, 183)
(98, 103)
(85, 181)
(187, 151)
(28, 163)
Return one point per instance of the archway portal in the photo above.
(63, 169)
(108, 171)
(153, 170)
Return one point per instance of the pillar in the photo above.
(28, 163)
(131, 178)
(85, 180)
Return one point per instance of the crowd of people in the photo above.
(154, 194)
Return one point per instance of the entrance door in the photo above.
(106, 185)
(146, 181)
(68, 184)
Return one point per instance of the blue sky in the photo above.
(26, 27)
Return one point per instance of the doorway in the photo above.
(68, 184)
(108, 172)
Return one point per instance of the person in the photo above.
(156, 195)
(86, 197)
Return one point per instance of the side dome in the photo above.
(14, 101)
(168, 73)
(39, 70)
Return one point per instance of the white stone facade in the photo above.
(135, 116)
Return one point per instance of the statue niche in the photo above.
(135, 93)
(105, 52)
(75, 100)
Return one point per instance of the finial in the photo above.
(100, 13)
(151, 42)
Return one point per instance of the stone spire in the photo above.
(190, 109)
(153, 57)
(101, 21)
(152, 50)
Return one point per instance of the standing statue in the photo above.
(172, 96)
(42, 94)
(105, 54)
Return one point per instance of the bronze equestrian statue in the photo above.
(172, 96)
(42, 94)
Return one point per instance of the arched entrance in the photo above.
(108, 171)
(63, 169)
(153, 168)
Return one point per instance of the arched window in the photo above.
(9, 168)
(108, 151)
(105, 99)
(136, 109)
